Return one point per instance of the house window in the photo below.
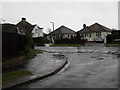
(90, 35)
(61, 36)
(33, 34)
(71, 36)
(57, 36)
(98, 34)
(35, 30)
(68, 36)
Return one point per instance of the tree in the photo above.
(49, 30)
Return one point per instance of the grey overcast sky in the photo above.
(70, 14)
(119, 15)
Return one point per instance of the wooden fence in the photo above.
(12, 42)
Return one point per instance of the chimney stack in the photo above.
(23, 19)
(84, 26)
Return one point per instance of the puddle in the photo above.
(100, 58)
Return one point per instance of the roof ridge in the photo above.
(70, 29)
(102, 26)
(63, 30)
(67, 28)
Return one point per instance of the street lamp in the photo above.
(53, 30)
(52, 25)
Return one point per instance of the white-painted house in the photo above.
(37, 32)
(95, 32)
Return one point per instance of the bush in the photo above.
(62, 41)
(29, 40)
(109, 39)
(29, 53)
(69, 41)
(40, 41)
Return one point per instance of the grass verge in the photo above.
(113, 44)
(13, 75)
(65, 45)
(37, 51)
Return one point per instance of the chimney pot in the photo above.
(84, 25)
(24, 19)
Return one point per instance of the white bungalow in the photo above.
(37, 32)
(95, 33)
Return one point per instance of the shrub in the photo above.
(29, 53)
(74, 40)
(39, 41)
(109, 39)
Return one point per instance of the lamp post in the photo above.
(52, 37)
(52, 25)
(53, 30)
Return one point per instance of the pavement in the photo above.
(42, 66)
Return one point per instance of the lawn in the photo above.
(113, 44)
(13, 75)
(65, 45)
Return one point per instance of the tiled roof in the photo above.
(95, 28)
(26, 26)
(62, 30)
(99, 28)
(85, 30)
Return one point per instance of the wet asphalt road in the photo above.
(91, 66)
